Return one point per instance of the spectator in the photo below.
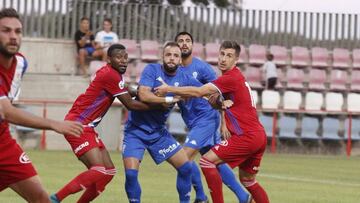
(105, 38)
(269, 72)
(85, 44)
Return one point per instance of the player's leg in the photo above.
(31, 190)
(250, 183)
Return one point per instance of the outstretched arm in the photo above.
(19, 117)
(132, 104)
(188, 91)
(147, 96)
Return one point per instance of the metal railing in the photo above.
(60, 19)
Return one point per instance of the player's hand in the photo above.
(162, 89)
(227, 104)
(68, 127)
(225, 133)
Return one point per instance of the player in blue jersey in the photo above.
(148, 130)
(203, 122)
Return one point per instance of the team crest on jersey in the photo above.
(122, 84)
(176, 84)
(24, 159)
(159, 79)
(195, 74)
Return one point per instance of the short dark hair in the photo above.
(113, 47)
(269, 56)
(231, 45)
(171, 44)
(9, 13)
(84, 18)
(108, 20)
(184, 33)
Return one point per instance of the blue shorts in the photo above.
(203, 136)
(90, 50)
(160, 149)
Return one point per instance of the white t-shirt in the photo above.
(106, 39)
(269, 69)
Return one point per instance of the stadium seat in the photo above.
(94, 66)
(139, 67)
(313, 101)
(356, 58)
(280, 55)
(149, 50)
(253, 77)
(292, 100)
(300, 56)
(338, 80)
(270, 100)
(131, 48)
(317, 79)
(309, 127)
(341, 58)
(212, 52)
(334, 101)
(331, 128)
(257, 54)
(282, 80)
(295, 78)
(198, 50)
(267, 123)
(287, 126)
(243, 58)
(355, 81)
(353, 102)
(355, 128)
(320, 57)
(177, 126)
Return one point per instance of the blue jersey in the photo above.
(154, 120)
(198, 110)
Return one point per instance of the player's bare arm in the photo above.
(132, 104)
(147, 96)
(19, 117)
(188, 91)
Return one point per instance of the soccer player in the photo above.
(16, 169)
(203, 122)
(89, 108)
(246, 146)
(148, 131)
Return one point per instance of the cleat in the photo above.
(54, 199)
(201, 201)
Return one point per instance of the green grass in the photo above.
(286, 178)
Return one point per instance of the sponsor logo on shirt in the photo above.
(24, 159)
(122, 84)
(169, 149)
(193, 142)
(80, 147)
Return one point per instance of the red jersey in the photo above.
(10, 80)
(91, 106)
(241, 117)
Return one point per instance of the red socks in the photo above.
(257, 192)
(82, 181)
(213, 180)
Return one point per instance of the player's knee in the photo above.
(248, 181)
(185, 168)
(39, 197)
(131, 174)
(205, 163)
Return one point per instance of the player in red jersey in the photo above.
(89, 108)
(246, 146)
(16, 170)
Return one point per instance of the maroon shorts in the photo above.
(88, 140)
(15, 165)
(244, 151)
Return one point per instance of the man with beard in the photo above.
(203, 122)
(148, 131)
(16, 169)
(89, 108)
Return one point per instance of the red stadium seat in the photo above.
(317, 79)
(338, 80)
(280, 55)
(341, 58)
(320, 57)
(257, 54)
(300, 56)
(253, 77)
(138, 70)
(212, 53)
(355, 81)
(356, 58)
(295, 78)
(149, 50)
(243, 58)
(131, 48)
(198, 50)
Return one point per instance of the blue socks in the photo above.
(230, 181)
(132, 186)
(183, 182)
(197, 183)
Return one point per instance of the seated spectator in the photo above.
(105, 38)
(269, 72)
(85, 44)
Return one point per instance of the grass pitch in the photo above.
(286, 178)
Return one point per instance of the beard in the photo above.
(186, 54)
(170, 69)
(6, 53)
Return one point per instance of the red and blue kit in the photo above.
(91, 106)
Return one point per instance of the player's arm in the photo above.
(19, 117)
(132, 104)
(188, 91)
(146, 95)
(225, 133)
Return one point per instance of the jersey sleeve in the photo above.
(208, 74)
(148, 77)
(225, 83)
(2, 88)
(113, 83)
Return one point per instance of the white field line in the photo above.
(327, 182)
